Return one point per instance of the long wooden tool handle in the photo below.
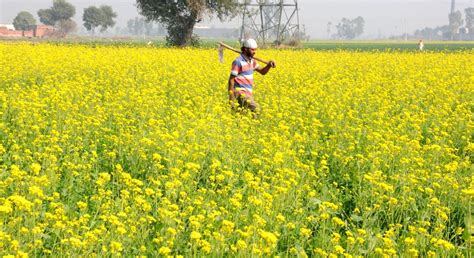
(237, 51)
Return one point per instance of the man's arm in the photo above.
(264, 70)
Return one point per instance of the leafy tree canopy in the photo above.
(92, 18)
(108, 16)
(23, 21)
(469, 18)
(350, 29)
(61, 10)
(59, 15)
(455, 20)
(180, 16)
(46, 16)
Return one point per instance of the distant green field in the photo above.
(316, 45)
(370, 45)
(389, 45)
(364, 45)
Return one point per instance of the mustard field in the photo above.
(134, 151)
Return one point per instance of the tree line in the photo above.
(141, 26)
(60, 16)
(177, 17)
(449, 31)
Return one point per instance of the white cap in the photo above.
(249, 43)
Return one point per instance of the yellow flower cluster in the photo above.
(130, 151)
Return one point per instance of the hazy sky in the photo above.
(382, 17)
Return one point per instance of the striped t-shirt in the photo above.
(243, 72)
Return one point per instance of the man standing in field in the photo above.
(241, 77)
(421, 45)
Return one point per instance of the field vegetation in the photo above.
(117, 150)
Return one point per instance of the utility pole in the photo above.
(328, 30)
(406, 30)
(453, 7)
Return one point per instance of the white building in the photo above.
(8, 26)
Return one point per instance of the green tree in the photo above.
(455, 21)
(349, 29)
(23, 21)
(470, 19)
(59, 15)
(344, 29)
(180, 16)
(108, 16)
(358, 26)
(63, 10)
(92, 18)
(426, 33)
(46, 16)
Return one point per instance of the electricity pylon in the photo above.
(270, 21)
